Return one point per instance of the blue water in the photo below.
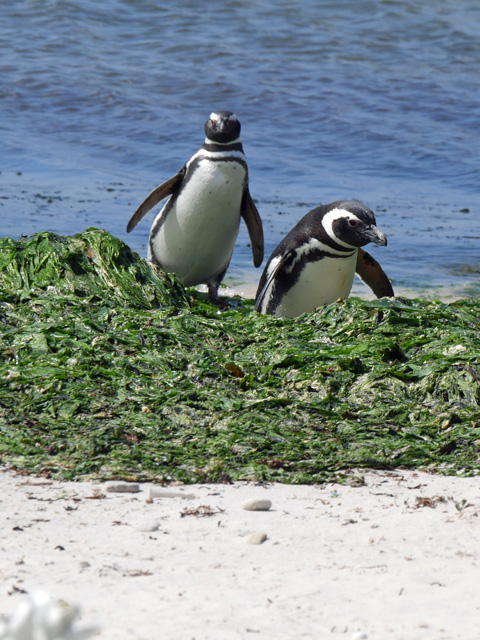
(376, 100)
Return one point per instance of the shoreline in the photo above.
(248, 290)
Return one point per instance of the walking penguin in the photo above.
(193, 235)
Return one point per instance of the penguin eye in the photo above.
(353, 223)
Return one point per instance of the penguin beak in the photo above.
(218, 124)
(373, 234)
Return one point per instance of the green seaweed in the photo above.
(89, 265)
(109, 369)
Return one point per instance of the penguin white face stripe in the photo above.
(215, 117)
(328, 220)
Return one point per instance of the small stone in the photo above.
(148, 526)
(155, 492)
(122, 487)
(257, 504)
(257, 537)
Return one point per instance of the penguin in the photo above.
(193, 235)
(315, 262)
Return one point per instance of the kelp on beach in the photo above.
(109, 369)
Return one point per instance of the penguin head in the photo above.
(222, 127)
(352, 224)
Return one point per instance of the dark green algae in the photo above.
(109, 369)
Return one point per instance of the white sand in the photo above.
(397, 557)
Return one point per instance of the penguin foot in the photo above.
(213, 292)
(213, 286)
(222, 305)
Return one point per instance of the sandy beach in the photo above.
(390, 555)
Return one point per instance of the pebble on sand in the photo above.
(155, 492)
(257, 504)
(257, 537)
(122, 487)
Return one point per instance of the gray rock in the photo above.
(122, 487)
(257, 537)
(257, 504)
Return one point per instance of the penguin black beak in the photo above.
(225, 121)
(373, 234)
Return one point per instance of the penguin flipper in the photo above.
(158, 194)
(286, 256)
(373, 275)
(253, 221)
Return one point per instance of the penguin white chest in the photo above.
(320, 282)
(198, 233)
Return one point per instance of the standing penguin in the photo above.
(316, 261)
(194, 233)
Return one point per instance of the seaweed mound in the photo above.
(91, 265)
(107, 370)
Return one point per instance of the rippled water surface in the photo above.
(373, 100)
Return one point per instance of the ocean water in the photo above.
(374, 100)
